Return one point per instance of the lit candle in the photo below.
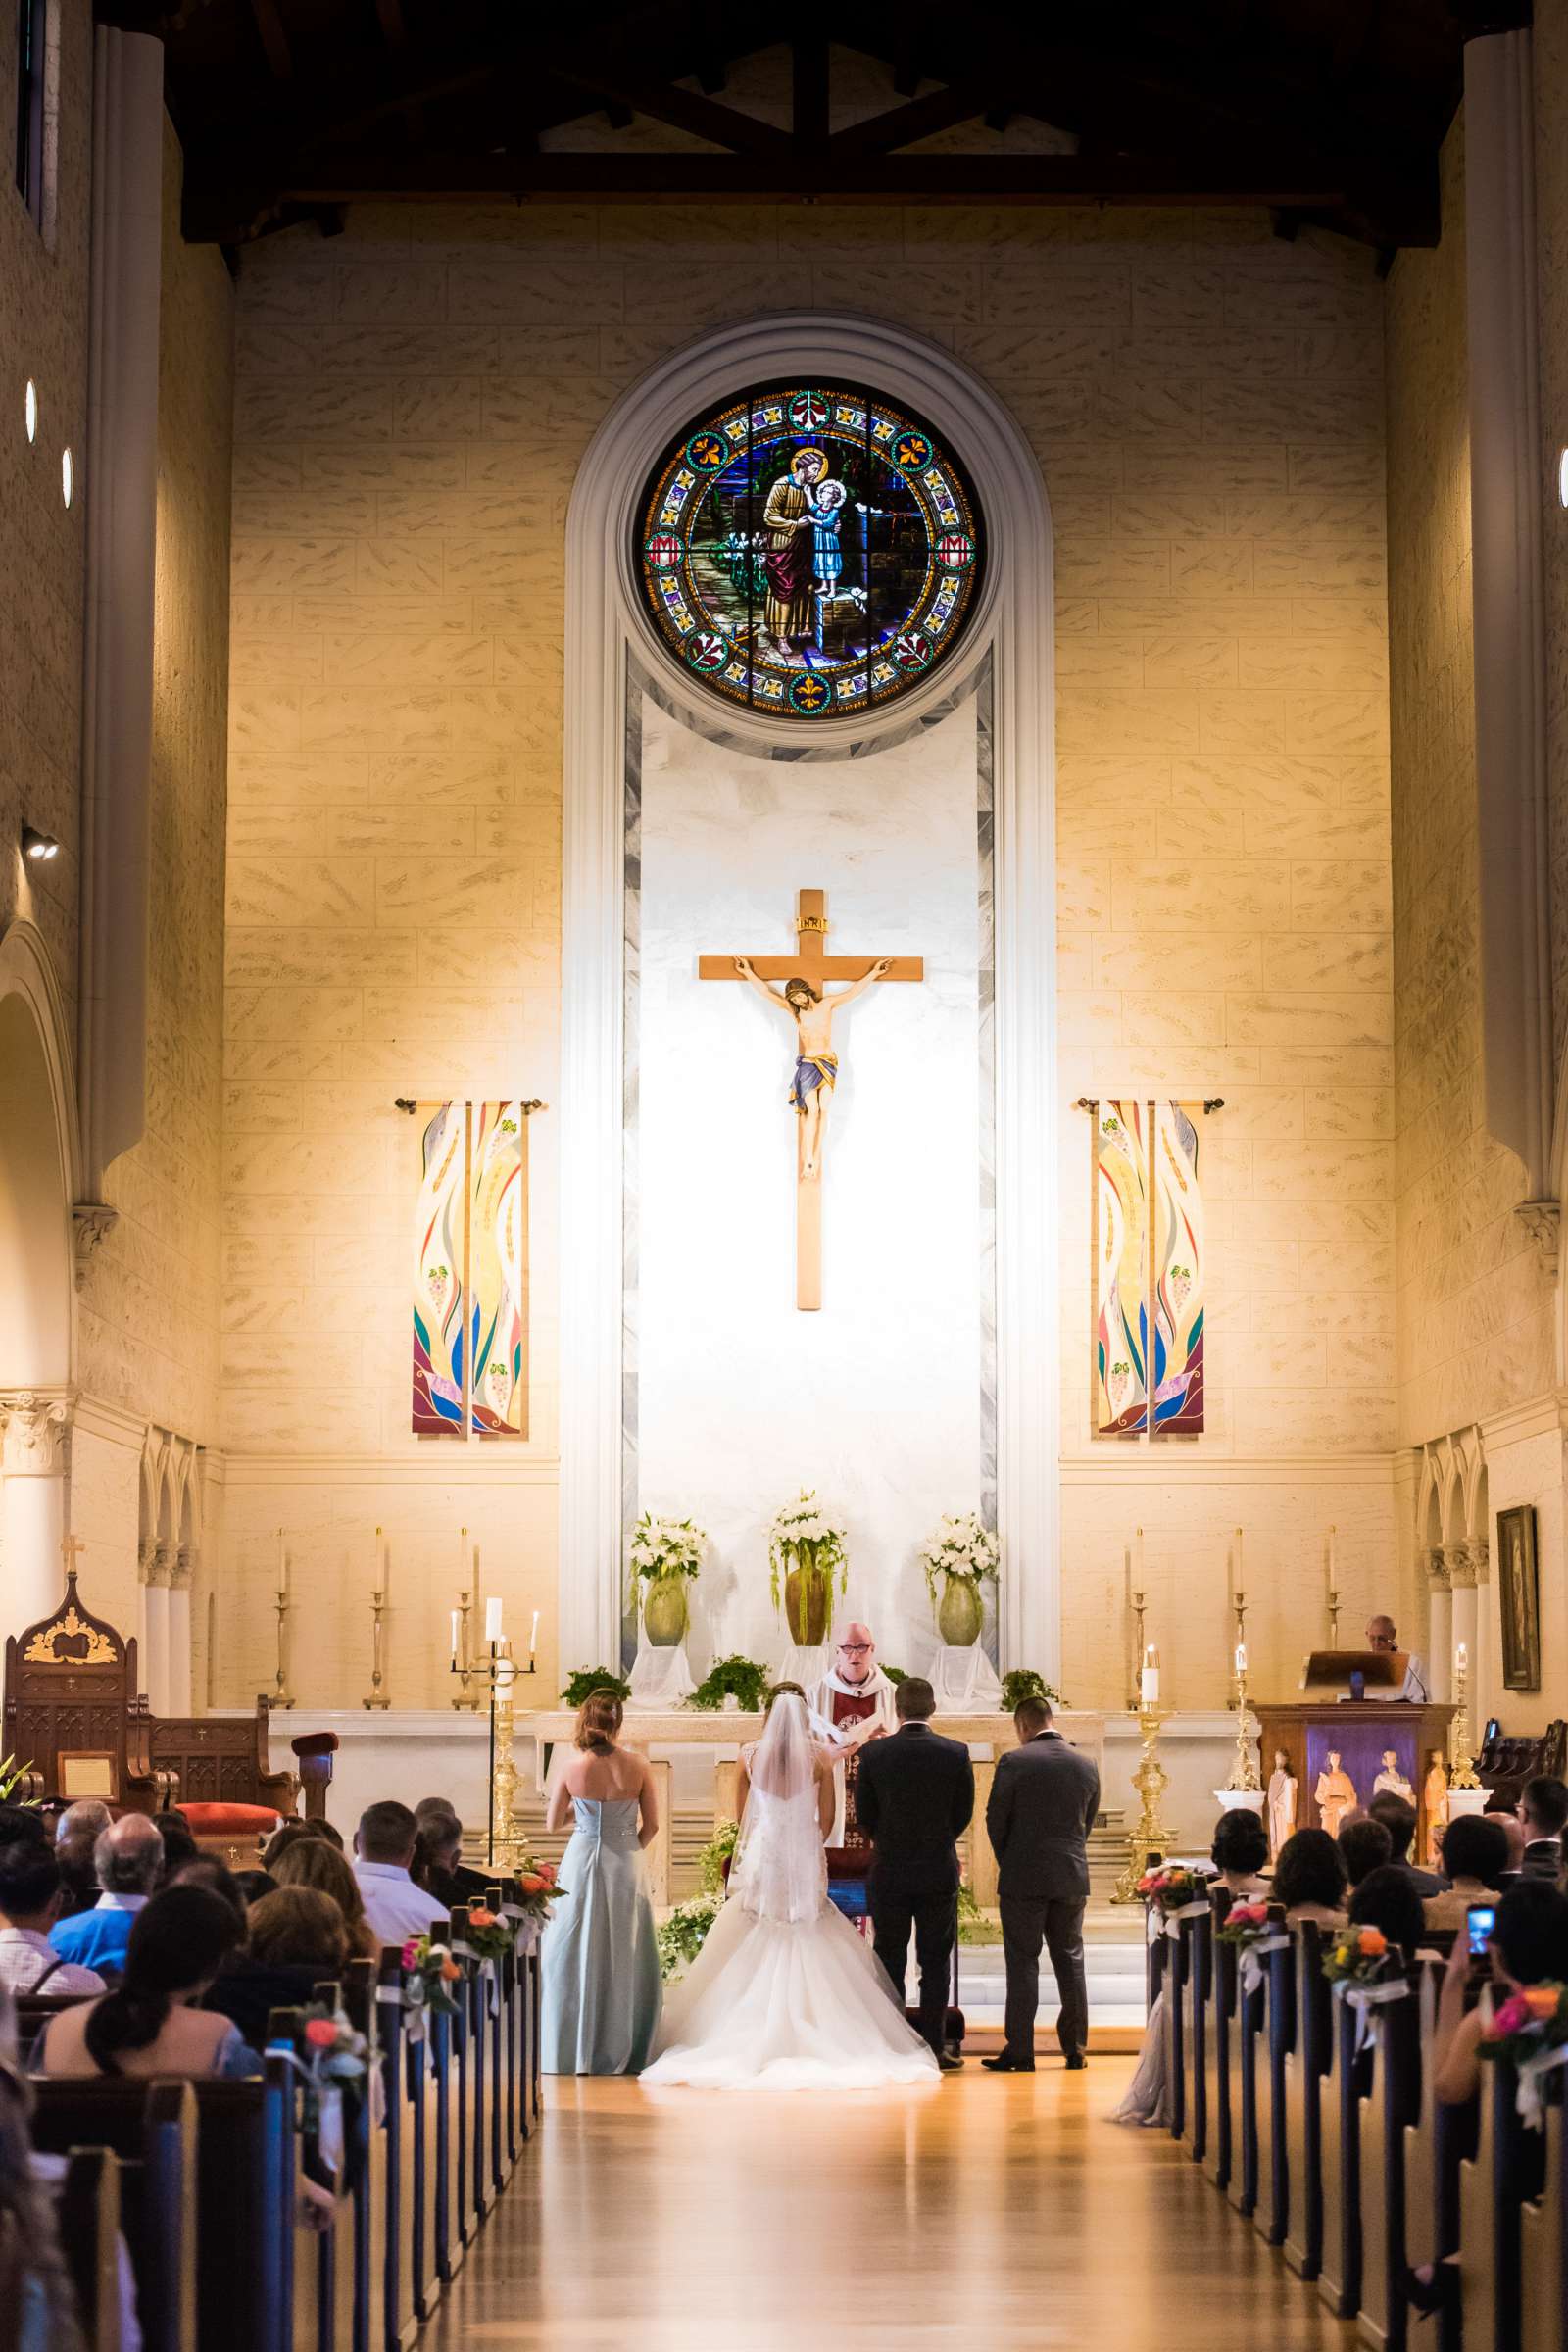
(463, 1558)
(492, 1619)
(457, 1628)
(1240, 1584)
(533, 1635)
(1148, 1678)
(1461, 1657)
(1240, 1657)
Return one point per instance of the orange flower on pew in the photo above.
(1372, 1943)
(1542, 2001)
(532, 1880)
(450, 1971)
(322, 2034)
(545, 1872)
(479, 1917)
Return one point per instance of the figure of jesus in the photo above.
(817, 1065)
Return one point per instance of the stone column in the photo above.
(1484, 1658)
(34, 1460)
(1439, 1592)
(1463, 1575)
(144, 1563)
(155, 1665)
(180, 1702)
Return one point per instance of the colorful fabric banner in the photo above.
(471, 1274)
(498, 1254)
(441, 1278)
(1179, 1269)
(1119, 1178)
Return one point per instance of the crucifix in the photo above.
(803, 996)
(68, 1548)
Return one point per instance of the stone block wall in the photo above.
(414, 399)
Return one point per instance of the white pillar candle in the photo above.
(1461, 1657)
(457, 1628)
(533, 1635)
(492, 1620)
(1148, 1678)
(1240, 1657)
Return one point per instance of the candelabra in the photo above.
(282, 1695)
(1135, 1695)
(378, 1696)
(1151, 1781)
(1244, 1767)
(1461, 1764)
(468, 1699)
(1333, 1617)
(499, 1672)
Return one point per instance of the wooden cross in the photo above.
(811, 962)
(68, 1548)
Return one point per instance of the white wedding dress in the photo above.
(784, 1995)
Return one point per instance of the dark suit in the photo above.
(1543, 1858)
(1043, 1800)
(915, 1797)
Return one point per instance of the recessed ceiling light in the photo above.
(68, 475)
(31, 409)
(39, 847)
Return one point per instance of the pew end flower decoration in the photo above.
(1357, 1956)
(1172, 1888)
(1528, 2023)
(488, 1933)
(537, 1890)
(430, 1972)
(1244, 1924)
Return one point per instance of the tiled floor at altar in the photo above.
(985, 2212)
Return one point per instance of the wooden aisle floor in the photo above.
(1006, 2212)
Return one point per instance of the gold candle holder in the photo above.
(1135, 1695)
(468, 1699)
(1461, 1763)
(1150, 1837)
(282, 1695)
(378, 1696)
(505, 1843)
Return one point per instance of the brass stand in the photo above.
(1135, 1698)
(378, 1696)
(1150, 1837)
(499, 1672)
(281, 1696)
(1461, 1763)
(1244, 1769)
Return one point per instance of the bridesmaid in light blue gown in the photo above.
(602, 1991)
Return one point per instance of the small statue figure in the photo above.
(1281, 1803)
(1334, 1794)
(1393, 1778)
(1435, 1798)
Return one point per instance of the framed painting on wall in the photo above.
(1519, 1594)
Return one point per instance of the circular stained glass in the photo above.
(810, 551)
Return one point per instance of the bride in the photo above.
(784, 1995)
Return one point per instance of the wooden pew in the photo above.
(1507, 2169)
(1197, 1936)
(150, 2127)
(1392, 2109)
(89, 2219)
(1219, 2026)
(1544, 2239)
(1173, 2020)
(1271, 2209)
(1308, 2066)
(1346, 2097)
(1245, 2050)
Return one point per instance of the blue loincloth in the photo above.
(821, 1069)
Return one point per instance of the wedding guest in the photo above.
(914, 1798)
(1543, 1814)
(384, 1845)
(1364, 1846)
(448, 1876)
(1043, 1800)
(29, 1905)
(252, 1885)
(1505, 1811)
(44, 2317)
(1309, 1880)
(602, 1991)
(129, 1862)
(1239, 1851)
(1475, 1863)
(179, 1846)
(1386, 1899)
(149, 2025)
(258, 1976)
(312, 1862)
(289, 1833)
(77, 1832)
(300, 1930)
(23, 1824)
(1399, 1818)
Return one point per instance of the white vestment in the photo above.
(819, 1701)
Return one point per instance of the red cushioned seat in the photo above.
(231, 1821)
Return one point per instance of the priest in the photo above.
(852, 1704)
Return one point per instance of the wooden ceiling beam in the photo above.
(683, 109)
(902, 125)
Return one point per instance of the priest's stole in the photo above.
(1147, 1367)
(471, 1281)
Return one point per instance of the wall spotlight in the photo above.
(38, 847)
(68, 475)
(29, 409)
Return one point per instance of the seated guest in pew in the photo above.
(1475, 1864)
(24, 1824)
(252, 1885)
(1505, 1811)
(312, 1862)
(384, 1845)
(129, 1862)
(150, 2025)
(296, 1941)
(1399, 1819)
(1542, 1813)
(77, 1832)
(446, 1875)
(1364, 1846)
(289, 1833)
(29, 1905)
(1309, 1880)
(1387, 1899)
(1239, 1853)
(179, 1845)
(44, 2317)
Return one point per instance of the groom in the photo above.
(915, 1795)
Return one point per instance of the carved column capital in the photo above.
(1438, 1572)
(181, 1568)
(34, 1425)
(91, 1222)
(144, 1559)
(1461, 1565)
(160, 1568)
(1481, 1558)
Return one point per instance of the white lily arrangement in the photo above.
(801, 1537)
(661, 1547)
(963, 1551)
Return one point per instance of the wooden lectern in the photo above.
(1363, 1734)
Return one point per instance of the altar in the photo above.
(724, 1735)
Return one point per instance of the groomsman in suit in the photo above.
(1543, 1812)
(914, 1798)
(1043, 1800)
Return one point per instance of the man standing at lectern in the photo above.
(1381, 1636)
(852, 1704)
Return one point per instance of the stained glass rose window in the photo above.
(810, 552)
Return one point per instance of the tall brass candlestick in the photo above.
(504, 1840)
(282, 1695)
(1135, 1697)
(468, 1699)
(1462, 1764)
(1150, 1837)
(378, 1696)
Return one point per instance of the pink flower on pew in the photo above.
(546, 1871)
(322, 2034)
(410, 1954)
(1512, 2018)
(1247, 1915)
